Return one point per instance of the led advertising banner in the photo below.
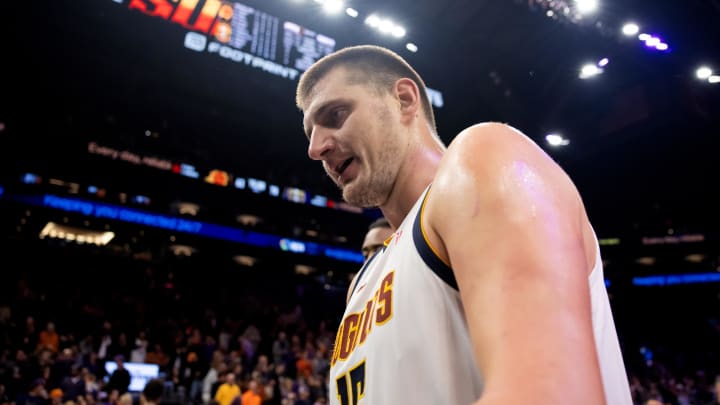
(246, 35)
(241, 33)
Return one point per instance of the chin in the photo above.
(361, 196)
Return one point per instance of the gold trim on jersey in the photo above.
(422, 230)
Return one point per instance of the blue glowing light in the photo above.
(120, 213)
(673, 279)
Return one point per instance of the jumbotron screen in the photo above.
(241, 33)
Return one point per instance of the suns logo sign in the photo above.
(213, 18)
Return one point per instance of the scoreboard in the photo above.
(246, 35)
(241, 33)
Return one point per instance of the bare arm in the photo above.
(510, 222)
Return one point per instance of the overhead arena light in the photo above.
(703, 73)
(556, 140)
(590, 70)
(77, 235)
(385, 26)
(630, 29)
(586, 6)
(333, 6)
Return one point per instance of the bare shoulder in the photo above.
(494, 174)
(486, 145)
(510, 223)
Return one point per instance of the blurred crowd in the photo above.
(260, 348)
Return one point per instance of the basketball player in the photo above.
(491, 289)
(378, 232)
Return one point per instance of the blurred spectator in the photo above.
(252, 394)
(36, 395)
(138, 353)
(228, 390)
(715, 393)
(49, 339)
(56, 396)
(4, 397)
(73, 385)
(153, 392)
(120, 377)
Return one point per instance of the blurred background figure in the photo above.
(378, 232)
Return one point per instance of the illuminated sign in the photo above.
(319, 201)
(130, 157)
(218, 177)
(436, 97)
(671, 240)
(248, 36)
(257, 186)
(29, 178)
(136, 216)
(140, 373)
(295, 195)
(188, 171)
(290, 245)
(242, 34)
(673, 279)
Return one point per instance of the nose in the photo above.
(321, 142)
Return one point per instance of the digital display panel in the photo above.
(140, 373)
(241, 33)
(247, 36)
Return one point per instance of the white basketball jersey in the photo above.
(404, 338)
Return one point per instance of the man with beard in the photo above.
(492, 288)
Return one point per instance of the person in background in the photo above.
(377, 233)
(228, 390)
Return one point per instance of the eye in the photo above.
(337, 116)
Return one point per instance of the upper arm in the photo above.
(510, 222)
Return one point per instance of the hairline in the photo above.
(320, 72)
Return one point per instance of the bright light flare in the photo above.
(556, 140)
(586, 6)
(703, 72)
(630, 29)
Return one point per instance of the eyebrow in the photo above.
(317, 112)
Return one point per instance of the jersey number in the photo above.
(351, 385)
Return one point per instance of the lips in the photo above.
(344, 165)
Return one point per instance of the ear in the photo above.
(408, 94)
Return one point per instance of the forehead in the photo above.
(334, 85)
(332, 81)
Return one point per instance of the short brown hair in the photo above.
(373, 65)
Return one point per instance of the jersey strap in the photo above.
(428, 254)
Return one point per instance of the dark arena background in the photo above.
(157, 202)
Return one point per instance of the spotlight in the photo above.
(703, 72)
(630, 29)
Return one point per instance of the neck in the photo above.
(416, 173)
